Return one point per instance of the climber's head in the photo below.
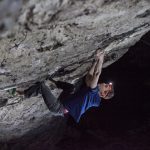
(106, 90)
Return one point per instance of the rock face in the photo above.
(59, 37)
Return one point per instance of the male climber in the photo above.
(76, 99)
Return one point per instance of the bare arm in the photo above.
(92, 68)
(93, 74)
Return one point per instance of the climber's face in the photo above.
(105, 89)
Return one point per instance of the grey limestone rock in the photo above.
(60, 37)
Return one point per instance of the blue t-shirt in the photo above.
(78, 103)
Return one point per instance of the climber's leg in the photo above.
(50, 100)
(31, 91)
(65, 86)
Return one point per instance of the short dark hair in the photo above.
(110, 93)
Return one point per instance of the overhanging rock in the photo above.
(59, 37)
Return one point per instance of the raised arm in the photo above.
(93, 74)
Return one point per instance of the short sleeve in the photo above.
(94, 90)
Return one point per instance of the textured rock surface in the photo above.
(59, 37)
